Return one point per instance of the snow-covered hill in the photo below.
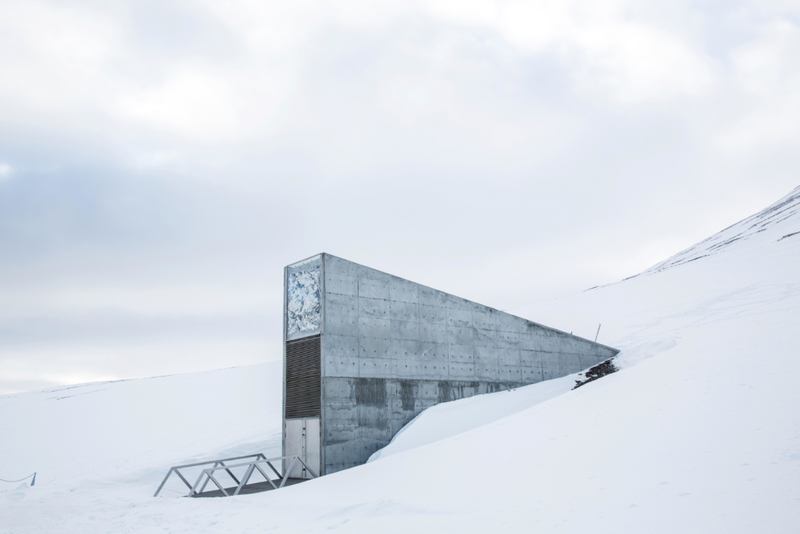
(125, 431)
(781, 221)
(699, 431)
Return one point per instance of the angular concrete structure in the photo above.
(365, 352)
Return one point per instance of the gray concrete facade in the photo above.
(390, 348)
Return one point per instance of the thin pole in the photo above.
(598, 332)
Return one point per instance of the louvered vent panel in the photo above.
(303, 378)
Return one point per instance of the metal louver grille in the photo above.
(303, 378)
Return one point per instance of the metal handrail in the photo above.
(253, 465)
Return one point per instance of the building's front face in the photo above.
(302, 396)
(365, 352)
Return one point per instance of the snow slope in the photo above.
(107, 432)
(699, 432)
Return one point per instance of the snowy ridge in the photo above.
(780, 220)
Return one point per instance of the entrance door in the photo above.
(302, 437)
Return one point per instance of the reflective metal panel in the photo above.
(303, 309)
(301, 437)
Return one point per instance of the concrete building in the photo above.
(365, 352)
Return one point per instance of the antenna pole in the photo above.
(598, 332)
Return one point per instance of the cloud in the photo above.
(191, 104)
(767, 72)
(53, 58)
(608, 51)
(5, 171)
(635, 63)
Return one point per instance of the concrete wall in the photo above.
(391, 348)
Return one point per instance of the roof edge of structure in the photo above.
(324, 254)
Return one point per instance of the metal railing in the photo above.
(256, 464)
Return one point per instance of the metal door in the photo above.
(302, 437)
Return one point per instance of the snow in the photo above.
(698, 432)
(452, 418)
(128, 430)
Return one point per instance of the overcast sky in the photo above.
(160, 162)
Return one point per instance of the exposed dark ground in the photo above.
(598, 371)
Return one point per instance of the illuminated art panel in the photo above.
(303, 310)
